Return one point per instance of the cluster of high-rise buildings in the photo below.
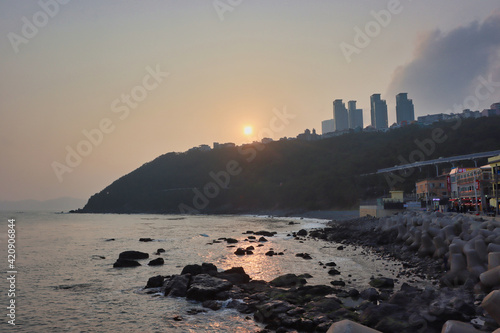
(352, 118)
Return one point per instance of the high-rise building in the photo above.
(340, 115)
(327, 126)
(404, 108)
(378, 112)
(355, 115)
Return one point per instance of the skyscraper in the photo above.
(378, 112)
(340, 115)
(404, 108)
(355, 115)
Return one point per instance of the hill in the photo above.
(290, 175)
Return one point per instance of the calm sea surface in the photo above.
(63, 284)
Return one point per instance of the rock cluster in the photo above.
(470, 247)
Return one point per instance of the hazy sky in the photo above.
(160, 76)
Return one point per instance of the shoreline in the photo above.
(287, 304)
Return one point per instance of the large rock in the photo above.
(131, 255)
(235, 275)
(156, 262)
(195, 269)
(126, 263)
(288, 280)
(382, 282)
(204, 286)
(177, 286)
(155, 282)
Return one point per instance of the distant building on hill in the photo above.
(308, 136)
(223, 145)
(355, 115)
(340, 115)
(404, 109)
(327, 126)
(378, 112)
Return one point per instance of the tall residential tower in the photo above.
(404, 108)
(340, 115)
(355, 115)
(378, 112)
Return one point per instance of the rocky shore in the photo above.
(459, 253)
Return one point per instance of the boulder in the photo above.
(333, 271)
(240, 252)
(155, 282)
(265, 233)
(177, 285)
(302, 232)
(132, 255)
(231, 240)
(370, 294)
(345, 325)
(235, 275)
(382, 282)
(204, 286)
(125, 263)
(288, 280)
(192, 269)
(156, 262)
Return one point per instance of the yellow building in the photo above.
(495, 172)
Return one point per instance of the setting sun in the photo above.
(248, 130)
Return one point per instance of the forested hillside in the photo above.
(290, 175)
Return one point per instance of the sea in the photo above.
(65, 280)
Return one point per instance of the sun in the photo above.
(248, 130)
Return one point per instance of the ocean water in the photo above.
(65, 281)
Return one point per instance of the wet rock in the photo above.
(302, 232)
(270, 253)
(155, 282)
(262, 239)
(325, 305)
(235, 275)
(212, 304)
(178, 318)
(177, 285)
(271, 309)
(160, 250)
(339, 283)
(204, 286)
(288, 280)
(306, 256)
(156, 262)
(145, 239)
(333, 271)
(265, 233)
(231, 240)
(374, 313)
(208, 268)
(240, 252)
(251, 237)
(192, 269)
(131, 255)
(109, 240)
(370, 294)
(331, 264)
(340, 248)
(382, 282)
(125, 263)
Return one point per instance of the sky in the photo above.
(90, 90)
